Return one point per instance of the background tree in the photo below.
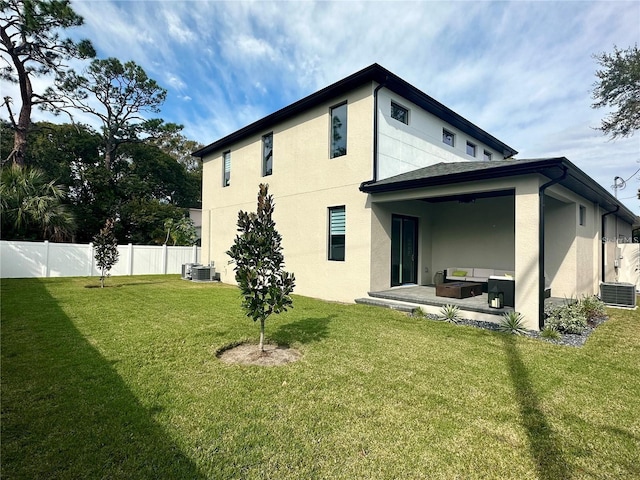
(31, 208)
(118, 94)
(618, 87)
(106, 248)
(182, 232)
(30, 45)
(257, 252)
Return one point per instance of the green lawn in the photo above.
(123, 382)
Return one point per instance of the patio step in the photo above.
(386, 303)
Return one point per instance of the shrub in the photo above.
(450, 313)
(512, 322)
(568, 318)
(592, 308)
(550, 332)
(418, 312)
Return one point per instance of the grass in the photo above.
(123, 382)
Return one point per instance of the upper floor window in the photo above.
(448, 137)
(583, 215)
(399, 113)
(487, 156)
(267, 154)
(226, 169)
(339, 130)
(337, 223)
(471, 149)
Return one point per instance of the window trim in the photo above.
(487, 156)
(332, 153)
(582, 215)
(473, 147)
(265, 172)
(397, 106)
(448, 133)
(330, 234)
(226, 181)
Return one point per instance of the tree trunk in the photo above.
(261, 335)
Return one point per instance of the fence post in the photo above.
(90, 259)
(165, 253)
(46, 258)
(194, 257)
(130, 266)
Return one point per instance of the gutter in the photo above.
(541, 285)
(604, 250)
(375, 129)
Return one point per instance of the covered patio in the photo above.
(408, 297)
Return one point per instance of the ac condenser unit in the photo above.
(202, 274)
(619, 294)
(186, 270)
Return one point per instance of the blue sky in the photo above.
(523, 71)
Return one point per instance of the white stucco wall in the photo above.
(403, 148)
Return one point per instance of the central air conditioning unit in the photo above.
(187, 268)
(618, 294)
(205, 273)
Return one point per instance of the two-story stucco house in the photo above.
(378, 185)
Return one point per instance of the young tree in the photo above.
(181, 232)
(257, 252)
(106, 247)
(30, 45)
(618, 87)
(118, 94)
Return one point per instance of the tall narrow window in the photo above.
(399, 113)
(448, 137)
(226, 169)
(337, 221)
(339, 130)
(267, 154)
(583, 215)
(471, 149)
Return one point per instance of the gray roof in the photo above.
(451, 173)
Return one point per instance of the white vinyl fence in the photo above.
(46, 259)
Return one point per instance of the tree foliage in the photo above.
(618, 87)
(181, 232)
(118, 95)
(106, 248)
(31, 207)
(31, 45)
(257, 252)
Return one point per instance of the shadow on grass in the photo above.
(66, 413)
(544, 447)
(306, 330)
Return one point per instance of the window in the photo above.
(267, 154)
(471, 149)
(448, 137)
(399, 113)
(339, 130)
(226, 169)
(337, 221)
(487, 156)
(583, 215)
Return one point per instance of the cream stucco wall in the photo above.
(403, 148)
(305, 183)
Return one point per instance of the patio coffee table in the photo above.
(459, 290)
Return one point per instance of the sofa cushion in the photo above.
(482, 273)
(459, 273)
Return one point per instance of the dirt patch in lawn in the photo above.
(249, 354)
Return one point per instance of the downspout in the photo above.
(375, 129)
(604, 250)
(541, 285)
